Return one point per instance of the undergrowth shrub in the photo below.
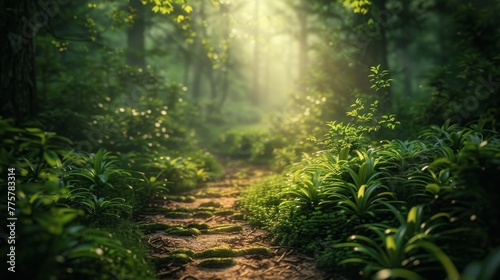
(75, 208)
(406, 209)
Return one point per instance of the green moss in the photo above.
(200, 226)
(229, 193)
(254, 251)
(217, 263)
(178, 198)
(224, 213)
(224, 229)
(239, 217)
(184, 231)
(181, 198)
(209, 209)
(178, 258)
(217, 252)
(178, 215)
(203, 214)
(185, 251)
(211, 204)
(154, 227)
(226, 252)
(159, 210)
(211, 194)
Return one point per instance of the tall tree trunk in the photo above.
(198, 71)
(373, 50)
(303, 40)
(199, 53)
(225, 86)
(17, 68)
(136, 36)
(226, 65)
(187, 68)
(255, 94)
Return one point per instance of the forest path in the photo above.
(201, 235)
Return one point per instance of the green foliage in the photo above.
(258, 146)
(145, 123)
(61, 198)
(358, 7)
(262, 200)
(404, 248)
(440, 206)
(49, 226)
(100, 173)
(307, 191)
(465, 87)
(152, 188)
(377, 78)
(97, 208)
(364, 120)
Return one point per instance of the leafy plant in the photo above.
(308, 191)
(152, 187)
(99, 208)
(401, 251)
(364, 120)
(377, 78)
(44, 146)
(99, 173)
(360, 202)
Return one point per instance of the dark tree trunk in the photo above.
(372, 48)
(135, 36)
(17, 66)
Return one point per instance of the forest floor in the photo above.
(201, 235)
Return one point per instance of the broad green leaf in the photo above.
(412, 215)
(361, 191)
(434, 188)
(52, 158)
(390, 244)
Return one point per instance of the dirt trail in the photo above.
(201, 235)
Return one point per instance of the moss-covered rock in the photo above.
(254, 251)
(180, 198)
(179, 231)
(153, 227)
(214, 204)
(207, 209)
(224, 213)
(200, 226)
(177, 258)
(217, 263)
(217, 252)
(223, 229)
(185, 251)
(178, 215)
(202, 214)
(226, 252)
